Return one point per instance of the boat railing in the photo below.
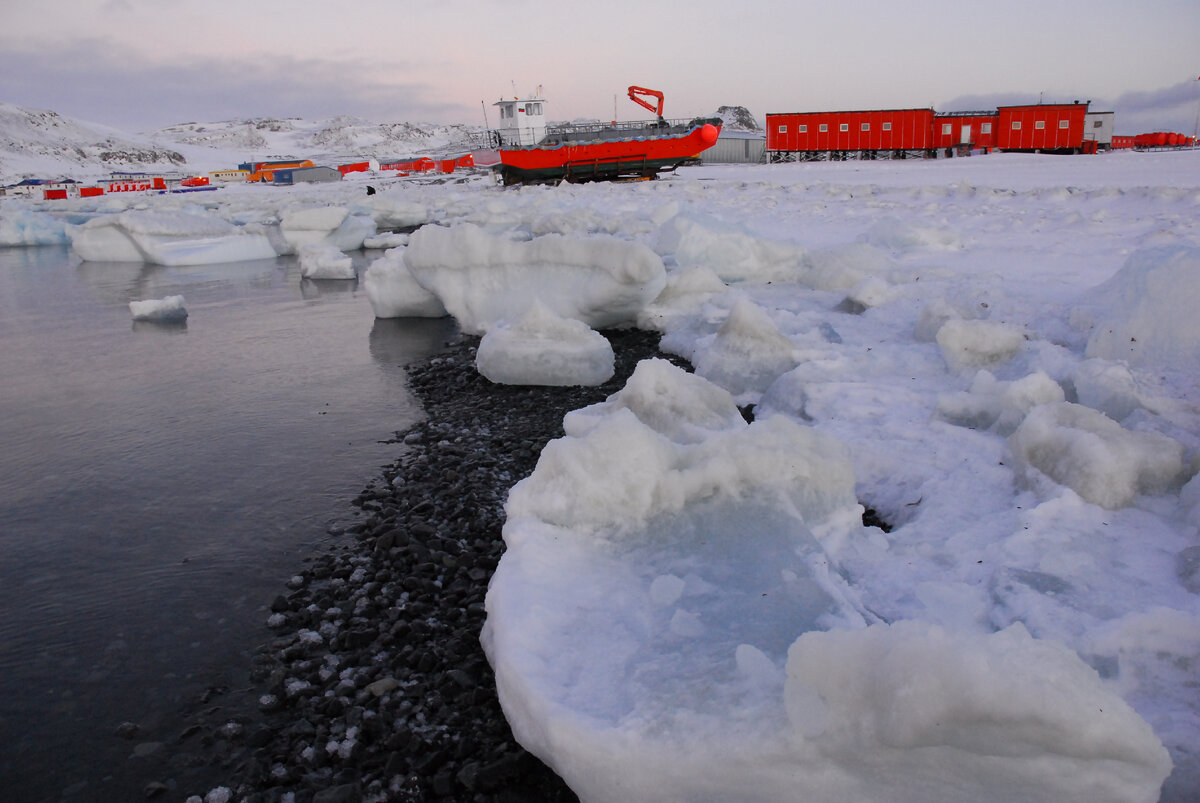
(568, 132)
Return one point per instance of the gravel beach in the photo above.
(375, 686)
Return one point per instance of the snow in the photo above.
(163, 310)
(997, 355)
(542, 348)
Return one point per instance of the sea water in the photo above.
(160, 483)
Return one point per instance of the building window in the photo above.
(946, 128)
(865, 127)
(887, 126)
(1095, 123)
(824, 127)
(1039, 125)
(783, 129)
(803, 129)
(1067, 123)
(985, 128)
(844, 127)
(1016, 125)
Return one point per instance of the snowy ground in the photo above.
(998, 355)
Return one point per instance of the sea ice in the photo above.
(484, 279)
(545, 349)
(666, 606)
(173, 237)
(394, 293)
(332, 225)
(164, 310)
(319, 260)
(1094, 456)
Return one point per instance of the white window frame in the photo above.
(947, 129)
(824, 128)
(887, 126)
(783, 129)
(1016, 125)
(1067, 124)
(1040, 125)
(802, 128)
(985, 128)
(864, 127)
(843, 127)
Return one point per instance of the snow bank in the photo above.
(166, 238)
(484, 279)
(1149, 315)
(734, 254)
(665, 624)
(545, 349)
(747, 353)
(996, 405)
(164, 310)
(320, 260)
(394, 293)
(972, 344)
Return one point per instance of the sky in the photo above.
(140, 65)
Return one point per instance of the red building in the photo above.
(1041, 127)
(889, 130)
(974, 129)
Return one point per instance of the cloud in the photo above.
(97, 81)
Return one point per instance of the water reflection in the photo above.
(394, 341)
(155, 491)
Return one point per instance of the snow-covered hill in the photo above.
(329, 140)
(45, 144)
(40, 143)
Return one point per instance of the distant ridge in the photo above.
(738, 118)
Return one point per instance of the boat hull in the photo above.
(640, 156)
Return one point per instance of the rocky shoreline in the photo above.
(376, 687)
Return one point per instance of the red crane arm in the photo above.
(636, 91)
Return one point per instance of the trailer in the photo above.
(849, 134)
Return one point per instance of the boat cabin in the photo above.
(522, 121)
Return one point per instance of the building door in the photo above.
(966, 134)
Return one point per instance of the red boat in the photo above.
(532, 152)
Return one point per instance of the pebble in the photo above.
(375, 686)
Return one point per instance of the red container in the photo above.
(975, 130)
(1050, 127)
(894, 129)
(357, 167)
(90, 192)
(54, 195)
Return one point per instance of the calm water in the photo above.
(159, 484)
